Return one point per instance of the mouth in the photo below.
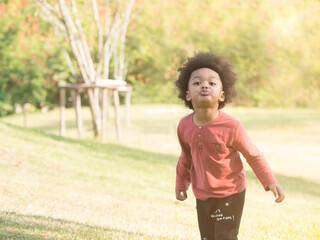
(204, 92)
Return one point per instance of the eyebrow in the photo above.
(197, 76)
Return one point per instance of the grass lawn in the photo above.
(65, 188)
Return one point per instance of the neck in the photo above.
(203, 116)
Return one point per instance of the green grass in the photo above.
(65, 188)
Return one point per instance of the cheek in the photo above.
(219, 89)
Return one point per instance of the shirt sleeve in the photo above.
(253, 156)
(183, 165)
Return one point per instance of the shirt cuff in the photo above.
(182, 185)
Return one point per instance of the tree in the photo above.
(23, 62)
(92, 51)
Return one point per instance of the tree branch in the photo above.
(82, 43)
(96, 19)
(71, 32)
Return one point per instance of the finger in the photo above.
(178, 195)
(185, 196)
(281, 195)
(274, 191)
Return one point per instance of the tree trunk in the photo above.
(95, 111)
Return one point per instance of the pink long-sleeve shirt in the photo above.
(210, 158)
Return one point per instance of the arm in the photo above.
(257, 162)
(183, 170)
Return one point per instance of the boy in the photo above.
(210, 143)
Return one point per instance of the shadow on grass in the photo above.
(33, 227)
(52, 125)
(293, 184)
(96, 146)
(268, 118)
(289, 183)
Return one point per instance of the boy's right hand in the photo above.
(181, 195)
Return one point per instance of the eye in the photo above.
(196, 83)
(212, 83)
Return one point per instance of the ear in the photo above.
(188, 96)
(222, 96)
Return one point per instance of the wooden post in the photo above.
(104, 113)
(105, 104)
(117, 113)
(109, 102)
(25, 108)
(128, 97)
(77, 105)
(62, 94)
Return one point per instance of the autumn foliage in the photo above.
(273, 46)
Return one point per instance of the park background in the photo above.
(54, 187)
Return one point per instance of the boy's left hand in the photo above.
(277, 192)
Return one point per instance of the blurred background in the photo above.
(54, 187)
(273, 46)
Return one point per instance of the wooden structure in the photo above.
(105, 87)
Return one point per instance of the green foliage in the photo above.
(273, 47)
(5, 108)
(30, 65)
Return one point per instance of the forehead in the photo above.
(204, 72)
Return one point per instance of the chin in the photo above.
(205, 104)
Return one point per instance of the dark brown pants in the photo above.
(219, 218)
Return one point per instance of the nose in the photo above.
(205, 84)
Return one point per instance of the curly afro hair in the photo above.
(215, 63)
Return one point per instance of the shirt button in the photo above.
(199, 143)
(199, 135)
(200, 127)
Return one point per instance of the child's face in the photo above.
(205, 88)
